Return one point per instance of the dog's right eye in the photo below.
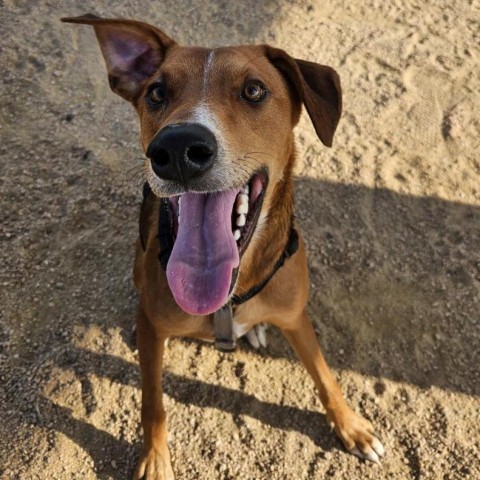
(254, 91)
(157, 94)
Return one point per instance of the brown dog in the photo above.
(217, 220)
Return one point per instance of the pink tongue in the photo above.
(199, 271)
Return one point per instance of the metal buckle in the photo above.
(225, 340)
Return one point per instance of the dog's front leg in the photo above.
(356, 432)
(155, 460)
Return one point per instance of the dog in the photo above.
(219, 252)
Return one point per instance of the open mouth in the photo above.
(211, 232)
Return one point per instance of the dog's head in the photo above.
(217, 131)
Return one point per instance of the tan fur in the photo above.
(254, 137)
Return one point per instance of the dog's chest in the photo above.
(239, 329)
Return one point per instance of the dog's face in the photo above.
(217, 132)
(229, 112)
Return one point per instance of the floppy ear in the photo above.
(317, 86)
(132, 50)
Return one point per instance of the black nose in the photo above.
(182, 151)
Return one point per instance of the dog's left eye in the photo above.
(254, 91)
(157, 94)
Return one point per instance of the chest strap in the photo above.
(290, 249)
(165, 225)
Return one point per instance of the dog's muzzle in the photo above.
(182, 152)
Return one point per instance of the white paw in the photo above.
(357, 435)
(257, 336)
(374, 452)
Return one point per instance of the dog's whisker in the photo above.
(243, 168)
(261, 153)
(252, 161)
(252, 60)
(241, 165)
(251, 157)
(244, 174)
(137, 176)
(135, 168)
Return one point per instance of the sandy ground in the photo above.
(391, 215)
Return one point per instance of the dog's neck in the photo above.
(272, 236)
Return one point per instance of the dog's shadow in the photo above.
(116, 456)
(393, 296)
(394, 281)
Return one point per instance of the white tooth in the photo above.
(242, 209)
(241, 220)
(179, 205)
(236, 235)
(242, 203)
(245, 189)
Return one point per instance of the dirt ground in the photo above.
(391, 216)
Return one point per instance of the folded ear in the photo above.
(317, 86)
(132, 50)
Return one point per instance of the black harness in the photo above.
(223, 318)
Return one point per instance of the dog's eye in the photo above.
(254, 91)
(157, 94)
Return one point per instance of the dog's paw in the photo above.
(257, 336)
(358, 436)
(154, 466)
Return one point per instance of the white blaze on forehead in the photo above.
(204, 116)
(207, 68)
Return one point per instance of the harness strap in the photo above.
(143, 222)
(165, 236)
(290, 249)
